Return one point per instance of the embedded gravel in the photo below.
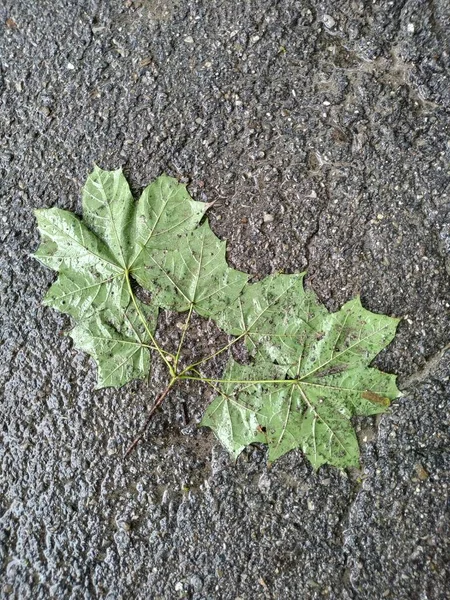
(320, 131)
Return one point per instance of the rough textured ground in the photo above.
(332, 117)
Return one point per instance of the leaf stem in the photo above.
(161, 352)
(159, 400)
(211, 356)
(180, 345)
(251, 381)
(215, 388)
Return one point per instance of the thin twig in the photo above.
(159, 400)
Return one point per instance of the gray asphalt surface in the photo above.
(332, 117)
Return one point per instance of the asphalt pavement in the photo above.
(320, 130)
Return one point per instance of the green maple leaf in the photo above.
(96, 256)
(325, 357)
(310, 371)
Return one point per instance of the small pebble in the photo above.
(422, 473)
(264, 483)
(189, 39)
(328, 21)
(196, 583)
(268, 218)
